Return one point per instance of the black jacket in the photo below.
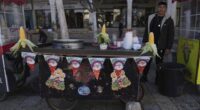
(166, 37)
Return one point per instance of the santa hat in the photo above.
(29, 57)
(32, 65)
(96, 62)
(77, 61)
(51, 59)
(118, 61)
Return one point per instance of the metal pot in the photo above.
(68, 43)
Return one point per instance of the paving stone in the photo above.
(148, 102)
(163, 101)
(185, 102)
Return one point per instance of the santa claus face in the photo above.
(142, 63)
(52, 63)
(118, 66)
(97, 66)
(75, 64)
(30, 60)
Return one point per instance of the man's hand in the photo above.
(167, 51)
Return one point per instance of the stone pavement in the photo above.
(26, 99)
(153, 100)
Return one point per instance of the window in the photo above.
(43, 18)
(74, 18)
(11, 18)
(111, 17)
(29, 19)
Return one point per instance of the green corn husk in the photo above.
(103, 38)
(150, 48)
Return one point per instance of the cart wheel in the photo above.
(3, 96)
(141, 93)
(61, 103)
(133, 106)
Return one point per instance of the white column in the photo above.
(62, 19)
(171, 9)
(129, 14)
(17, 16)
(93, 18)
(94, 25)
(53, 13)
(24, 18)
(187, 22)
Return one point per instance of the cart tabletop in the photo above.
(88, 50)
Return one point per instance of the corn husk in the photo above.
(22, 42)
(150, 46)
(103, 37)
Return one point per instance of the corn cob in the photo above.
(103, 37)
(151, 38)
(22, 42)
(150, 46)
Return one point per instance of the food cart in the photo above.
(68, 75)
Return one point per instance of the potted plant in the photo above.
(103, 39)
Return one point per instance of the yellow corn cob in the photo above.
(150, 46)
(22, 42)
(22, 34)
(103, 30)
(151, 38)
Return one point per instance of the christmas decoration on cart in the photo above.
(141, 62)
(56, 79)
(52, 62)
(150, 46)
(29, 58)
(22, 42)
(97, 65)
(84, 90)
(119, 78)
(75, 63)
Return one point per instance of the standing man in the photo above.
(162, 26)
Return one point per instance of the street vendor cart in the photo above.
(69, 75)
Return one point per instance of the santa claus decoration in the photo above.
(119, 78)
